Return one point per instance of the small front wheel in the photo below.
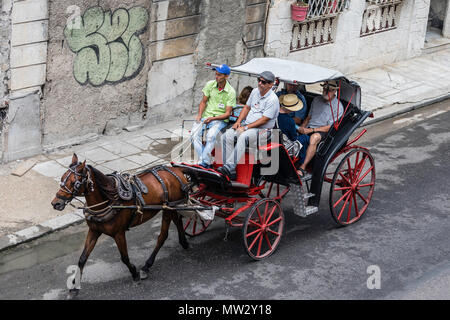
(263, 228)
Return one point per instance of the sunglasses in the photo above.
(263, 81)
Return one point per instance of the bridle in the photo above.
(85, 181)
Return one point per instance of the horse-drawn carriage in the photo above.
(253, 201)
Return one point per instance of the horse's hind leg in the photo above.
(91, 240)
(166, 218)
(122, 246)
(177, 219)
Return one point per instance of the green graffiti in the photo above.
(107, 44)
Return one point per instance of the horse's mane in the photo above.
(106, 185)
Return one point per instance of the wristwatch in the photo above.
(245, 128)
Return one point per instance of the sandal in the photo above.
(301, 172)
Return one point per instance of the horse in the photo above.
(100, 192)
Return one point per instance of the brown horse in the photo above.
(100, 191)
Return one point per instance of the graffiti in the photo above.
(107, 44)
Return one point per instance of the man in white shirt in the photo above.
(260, 112)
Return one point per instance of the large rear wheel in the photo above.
(263, 228)
(352, 186)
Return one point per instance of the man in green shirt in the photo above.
(218, 101)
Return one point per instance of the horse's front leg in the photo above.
(121, 243)
(91, 240)
(166, 218)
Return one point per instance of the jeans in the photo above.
(231, 156)
(204, 151)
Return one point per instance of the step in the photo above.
(311, 209)
(308, 195)
(306, 177)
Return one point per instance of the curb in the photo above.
(14, 239)
(406, 109)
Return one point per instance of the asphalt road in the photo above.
(403, 238)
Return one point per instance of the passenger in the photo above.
(301, 114)
(320, 119)
(219, 98)
(289, 104)
(260, 112)
(242, 99)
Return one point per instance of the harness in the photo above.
(128, 187)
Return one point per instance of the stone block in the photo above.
(23, 137)
(256, 13)
(254, 31)
(168, 29)
(31, 10)
(172, 48)
(26, 55)
(171, 9)
(29, 32)
(28, 76)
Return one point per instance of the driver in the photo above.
(321, 117)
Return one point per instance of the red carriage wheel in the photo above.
(263, 228)
(352, 186)
(195, 226)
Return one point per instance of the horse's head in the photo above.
(76, 181)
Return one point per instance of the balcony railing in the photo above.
(319, 27)
(320, 8)
(380, 16)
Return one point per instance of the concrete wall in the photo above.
(350, 52)
(96, 77)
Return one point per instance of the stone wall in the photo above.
(350, 52)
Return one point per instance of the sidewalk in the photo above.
(26, 212)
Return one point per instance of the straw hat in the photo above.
(291, 102)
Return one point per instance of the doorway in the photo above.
(436, 23)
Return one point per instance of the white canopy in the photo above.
(288, 70)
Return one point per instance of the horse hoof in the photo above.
(73, 293)
(143, 274)
(185, 245)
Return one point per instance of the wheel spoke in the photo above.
(361, 166)
(349, 208)
(343, 207)
(271, 231)
(349, 170)
(362, 197)
(366, 185)
(356, 204)
(343, 188)
(274, 221)
(345, 178)
(255, 223)
(252, 233)
(340, 199)
(270, 214)
(254, 241)
(365, 174)
(259, 215)
(259, 245)
(268, 241)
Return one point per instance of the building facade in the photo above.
(71, 71)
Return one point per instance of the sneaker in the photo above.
(205, 165)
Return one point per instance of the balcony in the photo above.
(319, 27)
(380, 16)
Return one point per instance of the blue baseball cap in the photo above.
(223, 68)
